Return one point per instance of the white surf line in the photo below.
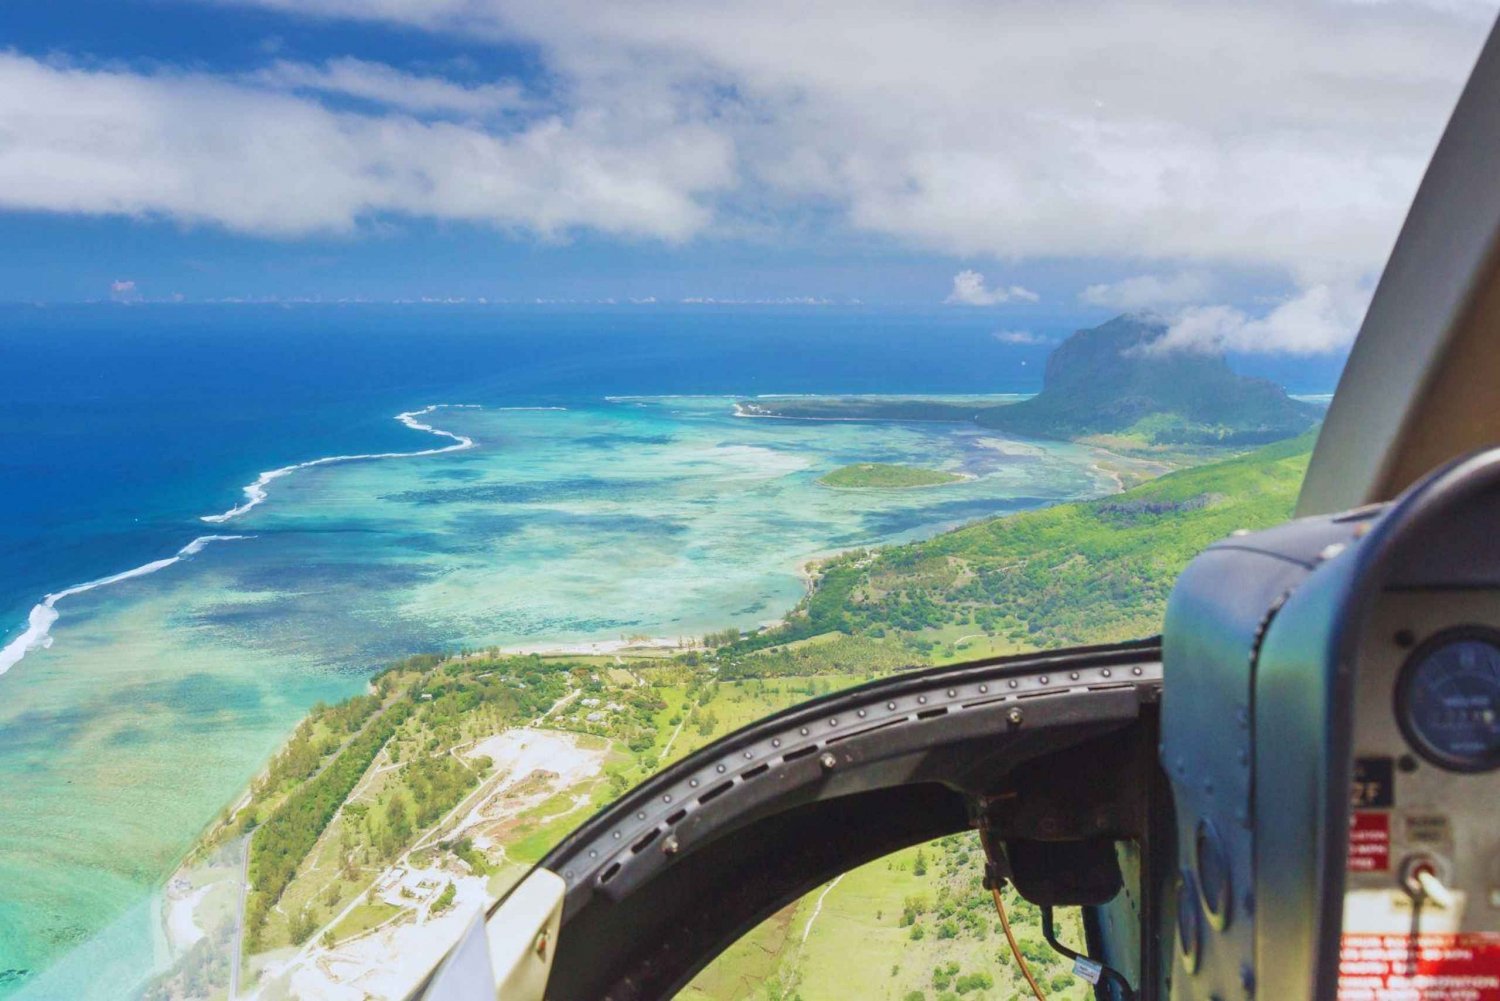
(38, 631)
(38, 634)
(255, 492)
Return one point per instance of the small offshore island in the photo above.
(886, 476)
(387, 819)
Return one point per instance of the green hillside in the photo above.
(1085, 572)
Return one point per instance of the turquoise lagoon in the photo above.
(161, 694)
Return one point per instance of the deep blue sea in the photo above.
(120, 425)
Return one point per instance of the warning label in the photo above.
(1370, 841)
(1427, 967)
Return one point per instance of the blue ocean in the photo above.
(239, 510)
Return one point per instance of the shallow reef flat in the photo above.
(162, 694)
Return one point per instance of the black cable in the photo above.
(1114, 976)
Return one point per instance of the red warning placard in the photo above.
(1427, 967)
(1370, 841)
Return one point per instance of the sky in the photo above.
(1241, 167)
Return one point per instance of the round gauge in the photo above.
(1448, 700)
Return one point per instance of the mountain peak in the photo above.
(1101, 381)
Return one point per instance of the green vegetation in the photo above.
(363, 918)
(387, 778)
(359, 781)
(281, 843)
(883, 475)
(1091, 571)
(445, 899)
(895, 928)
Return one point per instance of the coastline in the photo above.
(37, 634)
(805, 568)
(180, 911)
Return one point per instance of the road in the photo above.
(237, 941)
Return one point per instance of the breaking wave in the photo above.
(38, 632)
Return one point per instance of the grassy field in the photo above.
(916, 924)
(886, 476)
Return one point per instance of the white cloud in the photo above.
(382, 84)
(1020, 337)
(1145, 292)
(123, 290)
(1247, 133)
(1319, 319)
(204, 150)
(969, 289)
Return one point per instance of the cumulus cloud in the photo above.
(204, 150)
(1150, 292)
(1020, 337)
(969, 289)
(1319, 319)
(122, 290)
(1161, 130)
(1222, 134)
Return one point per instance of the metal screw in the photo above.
(670, 846)
(1015, 716)
(828, 760)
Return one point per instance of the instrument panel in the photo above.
(1422, 900)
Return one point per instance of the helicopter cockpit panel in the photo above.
(1422, 901)
(1339, 838)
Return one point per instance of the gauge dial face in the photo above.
(1448, 700)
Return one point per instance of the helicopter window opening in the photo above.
(916, 923)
